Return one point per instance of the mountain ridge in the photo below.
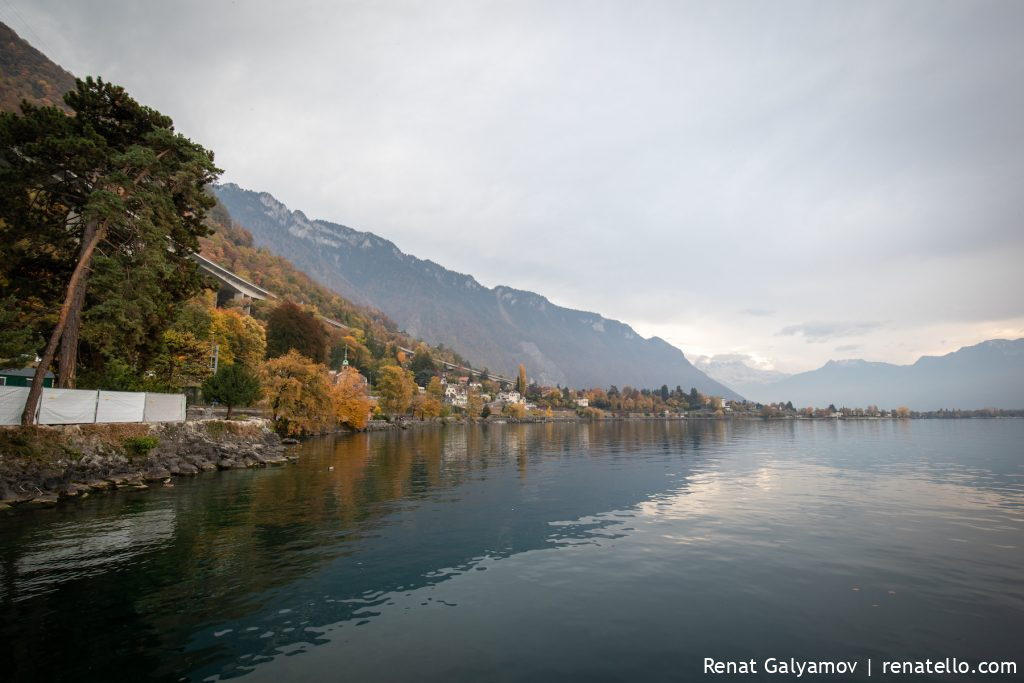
(983, 375)
(498, 327)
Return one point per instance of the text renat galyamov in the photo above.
(778, 666)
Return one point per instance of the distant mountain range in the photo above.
(733, 370)
(497, 328)
(986, 375)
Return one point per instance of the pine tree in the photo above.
(233, 385)
(114, 174)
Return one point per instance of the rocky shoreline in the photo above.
(39, 466)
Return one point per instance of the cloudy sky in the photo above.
(795, 181)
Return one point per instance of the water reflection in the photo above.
(232, 573)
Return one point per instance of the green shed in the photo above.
(22, 377)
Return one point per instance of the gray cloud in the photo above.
(819, 332)
(845, 348)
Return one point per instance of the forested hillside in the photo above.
(27, 74)
(374, 336)
(500, 327)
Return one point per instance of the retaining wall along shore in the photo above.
(40, 465)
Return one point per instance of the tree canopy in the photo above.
(98, 212)
(233, 385)
(396, 388)
(291, 327)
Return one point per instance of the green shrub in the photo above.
(140, 446)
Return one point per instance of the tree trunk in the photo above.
(28, 417)
(67, 360)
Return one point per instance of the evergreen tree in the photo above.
(422, 361)
(233, 385)
(17, 342)
(113, 174)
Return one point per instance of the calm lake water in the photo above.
(557, 552)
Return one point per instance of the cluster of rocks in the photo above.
(65, 462)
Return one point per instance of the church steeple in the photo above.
(344, 362)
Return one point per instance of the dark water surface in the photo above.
(557, 552)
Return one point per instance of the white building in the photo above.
(511, 396)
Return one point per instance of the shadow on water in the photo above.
(227, 570)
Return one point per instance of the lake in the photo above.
(617, 551)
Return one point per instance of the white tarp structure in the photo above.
(73, 406)
(67, 407)
(121, 406)
(12, 402)
(165, 408)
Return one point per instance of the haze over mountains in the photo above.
(989, 374)
(734, 370)
(497, 328)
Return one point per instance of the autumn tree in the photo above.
(425, 406)
(183, 361)
(349, 346)
(233, 385)
(291, 327)
(474, 403)
(114, 174)
(521, 381)
(240, 338)
(352, 402)
(395, 387)
(515, 410)
(298, 394)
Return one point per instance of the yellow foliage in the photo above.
(395, 387)
(240, 338)
(426, 406)
(352, 402)
(434, 388)
(517, 410)
(299, 395)
(474, 404)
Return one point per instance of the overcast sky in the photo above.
(796, 181)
